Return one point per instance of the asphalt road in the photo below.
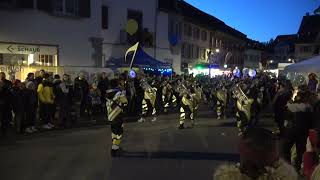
(153, 150)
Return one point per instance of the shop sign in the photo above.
(11, 48)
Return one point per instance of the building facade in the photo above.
(85, 34)
(308, 41)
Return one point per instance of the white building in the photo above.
(78, 33)
(85, 34)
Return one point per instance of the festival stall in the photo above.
(298, 72)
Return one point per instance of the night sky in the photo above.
(259, 19)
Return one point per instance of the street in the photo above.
(155, 150)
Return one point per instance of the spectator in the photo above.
(259, 159)
(279, 105)
(81, 88)
(39, 78)
(103, 86)
(5, 104)
(30, 106)
(64, 101)
(297, 124)
(30, 77)
(313, 82)
(18, 105)
(46, 101)
(94, 101)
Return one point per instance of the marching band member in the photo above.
(243, 108)
(149, 101)
(221, 96)
(187, 105)
(116, 102)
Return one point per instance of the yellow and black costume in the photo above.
(116, 102)
(189, 104)
(243, 108)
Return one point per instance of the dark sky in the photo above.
(259, 19)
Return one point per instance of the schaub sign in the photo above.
(11, 48)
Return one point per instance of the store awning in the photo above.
(142, 59)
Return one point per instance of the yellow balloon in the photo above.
(132, 26)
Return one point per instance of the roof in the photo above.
(197, 16)
(310, 24)
(287, 37)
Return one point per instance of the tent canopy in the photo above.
(311, 65)
(142, 59)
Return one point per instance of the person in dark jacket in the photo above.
(30, 107)
(81, 90)
(18, 105)
(103, 86)
(297, 124)
(5, 104)
(64, 101)
(279, 106)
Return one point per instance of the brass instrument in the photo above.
(187, 97)
(243, 102)
(114, 105)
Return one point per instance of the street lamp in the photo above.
(271, 61)
(217, 50)
(289, 60)
(225, 66)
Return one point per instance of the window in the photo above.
(192, 51)
(204, 35)
(183, 50)
(305, 49)
(185, 29)
(178, 29)
(46, 60)
(189, 30)
(196, 33)
(66, 7)
(196, 52)
(105, 17)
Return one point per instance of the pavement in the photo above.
(153, 150)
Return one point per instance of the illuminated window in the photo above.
(46, 60)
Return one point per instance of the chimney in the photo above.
(308, 14)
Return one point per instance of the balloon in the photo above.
(245, 71)
(236, 72)
(132, 74)
(132, 26)
(252, 73)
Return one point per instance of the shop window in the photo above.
(46, 60)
